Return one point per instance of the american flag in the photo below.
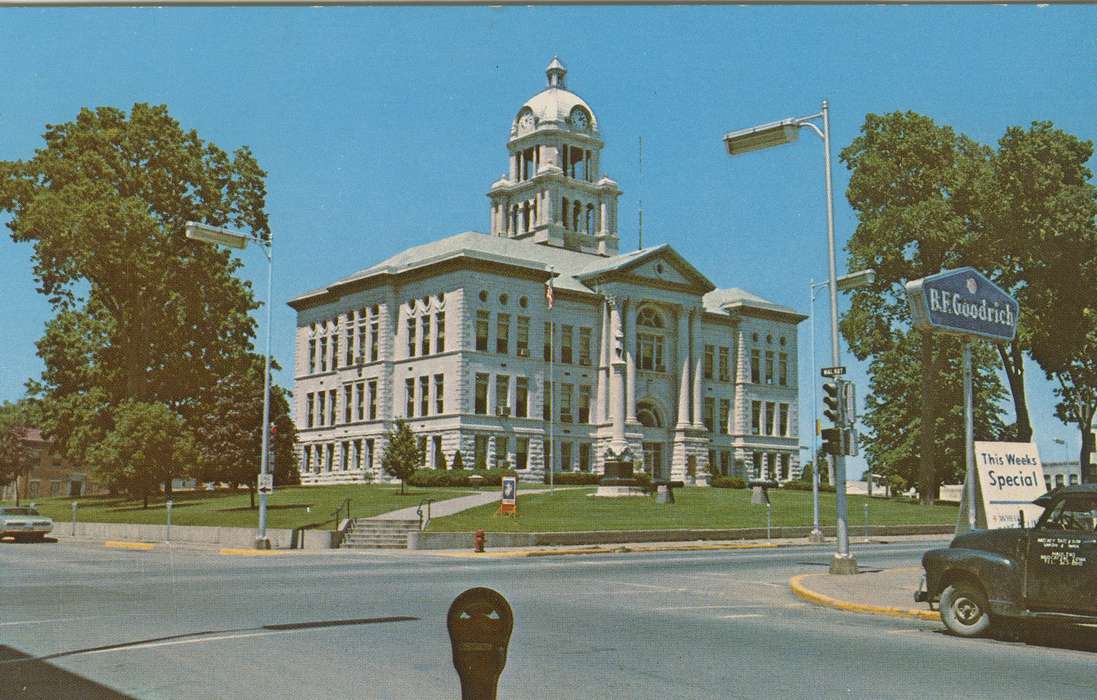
(550, 296)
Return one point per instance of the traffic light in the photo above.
(832, 441)
(832, 398)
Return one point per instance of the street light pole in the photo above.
(234, 239)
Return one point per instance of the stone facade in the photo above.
(639, 353)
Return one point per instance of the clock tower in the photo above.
(554, 192)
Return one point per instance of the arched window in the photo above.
(590, 219)
(648, 415)
(651, 339)
(564, 212)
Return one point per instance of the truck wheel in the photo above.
(964, 610)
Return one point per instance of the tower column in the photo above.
(630, 359)
(602, 217)
(603, 367)
(618, 442)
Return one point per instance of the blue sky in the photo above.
(383, 128)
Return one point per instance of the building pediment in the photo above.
(660, 267)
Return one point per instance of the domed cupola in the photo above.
(555, 192)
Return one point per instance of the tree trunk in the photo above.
(926, 476)
(251, 496)
(167, 488)
(145, 496)
(401, 487)
(1013, 363)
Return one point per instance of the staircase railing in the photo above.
(298, 538)
(419, 511)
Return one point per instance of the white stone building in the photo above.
(454, 337)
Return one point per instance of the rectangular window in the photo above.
(411, 336)
(374, 334)
(421, 450)
(584, 403)
(756, 465)
(755, 417)
(546, 401)
(362, 339)
(548, 341)
(329, 457)
(480, 456)
(546, 454)
(344, 455)
(782, 369)
(306, 452)
(501, 449)
(565, 456)
(55, 488)
(335, 347)
(565, 344)
(439, 394)
(409, 397)
(725, 412)
(584, 456)
(360, 400)
(320, 406)
(436, 451)
(309, 412)
(565, 404)
(324, 354)
(502, 333)
(502, 394)
(357, 455)
(710, 358)
(369, 453)
(482, 320)
(725, 463)
(651, 352)
(424, 396)
(331, 407)
(521, 397)
(771, 466)
(312, 355)
(522, 339)
(424, 334)
(782, 425)
(584, 347)
(708, 407)
(771, 419)
(521, 453)
(348, 406)
(481, 397)
(440, 331)
(755, 366)
(725, 366)
(784, 466)
(349, 350)
(769, 366)
(372, 384)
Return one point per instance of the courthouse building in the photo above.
(458, 337)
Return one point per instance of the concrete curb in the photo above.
(804, 593)
(608, 549)
(139, 546)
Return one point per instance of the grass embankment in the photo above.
(290, 506)
(706, 508)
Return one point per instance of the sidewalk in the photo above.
(440, 509)
(888, 592)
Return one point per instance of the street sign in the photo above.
(832, 371)
(963, 302)
(266, 483)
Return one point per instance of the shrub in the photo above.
(805, 486)
(432, 478)
(728, 482)
(458, 462)
(574, 478)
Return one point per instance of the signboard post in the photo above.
(964, 303)
(1010, 477)
(509, 503)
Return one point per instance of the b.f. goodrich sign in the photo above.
(963, 302)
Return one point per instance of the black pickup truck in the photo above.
(1045, 572)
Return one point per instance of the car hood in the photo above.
(1002, 541)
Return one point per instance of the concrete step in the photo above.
(366, 533)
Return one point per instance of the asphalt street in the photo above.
(82, 621)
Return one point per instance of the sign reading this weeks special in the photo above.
(1010, 478)
(963, 302)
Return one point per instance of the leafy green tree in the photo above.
(441, 461)
(458, 460)
(148, 445)
(16, 456)
(141, 314)
(401, 456)
(230, 432)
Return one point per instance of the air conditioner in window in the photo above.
(502, 410)
(523, 352)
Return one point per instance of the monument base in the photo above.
(618, 481)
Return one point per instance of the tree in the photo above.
(441, 461)
(229, 430)
(149, 445)
(458, 460)
(401, 456)
(16, 456)
(141, 314)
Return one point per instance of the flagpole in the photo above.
(550, 297)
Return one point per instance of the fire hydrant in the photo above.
(478, 541)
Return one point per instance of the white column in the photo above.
(698, 358)
(682, 348)
(618, 377)
(602, 227)
(603, 367)
(630, 359)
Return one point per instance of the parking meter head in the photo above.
(479, 622)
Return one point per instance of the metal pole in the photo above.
(969, 437)
(74, 518)
(843, 562)
(816, 534)
(552, 409)
(769, 521)
(167, 537)
(866, 521)
(261, 540)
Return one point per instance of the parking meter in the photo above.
(479, 623)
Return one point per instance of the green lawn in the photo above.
(695, 508)
(291, 506)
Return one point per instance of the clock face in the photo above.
(579, 119)
(525, 122)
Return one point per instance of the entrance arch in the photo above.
(656, 438)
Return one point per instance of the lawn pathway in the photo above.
(443, 508)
